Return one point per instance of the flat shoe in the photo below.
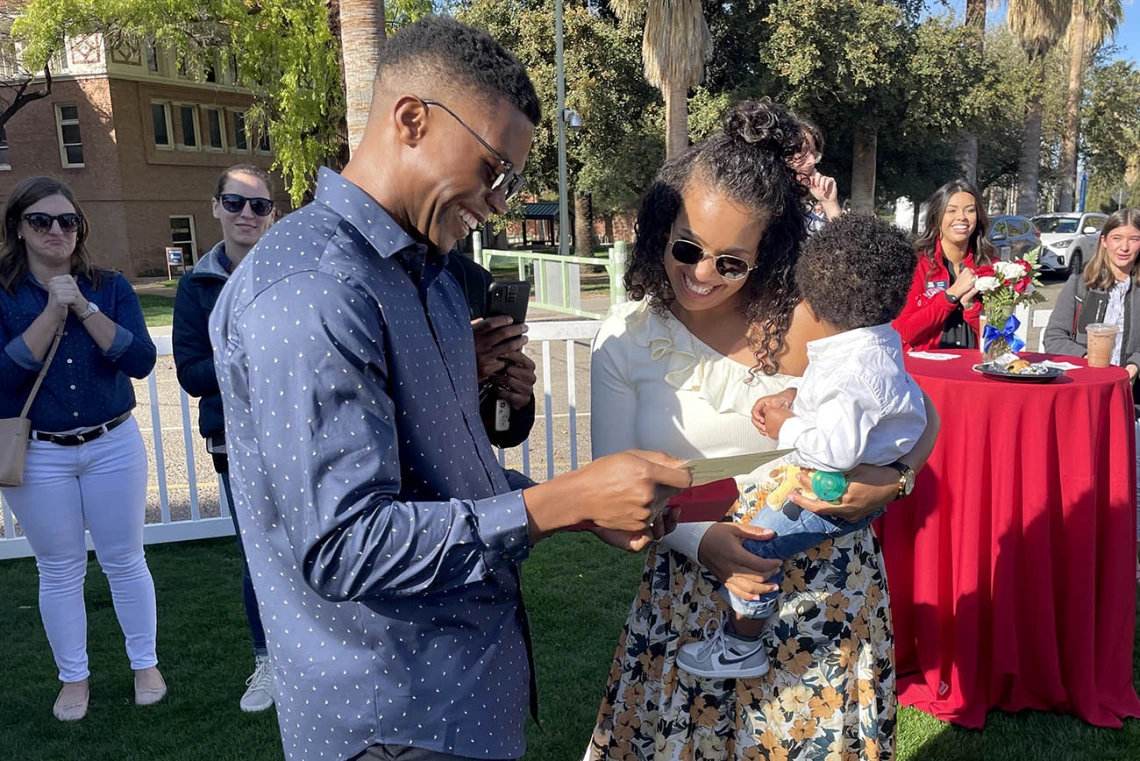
(146, 696)
(73, 709)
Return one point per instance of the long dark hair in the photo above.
(1098, 276)
(747, 159)
(936, 208)
(13, 252)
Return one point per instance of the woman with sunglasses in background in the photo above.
(86, 463)
(243, 205)
(712, 327)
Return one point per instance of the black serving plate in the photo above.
(998, 373)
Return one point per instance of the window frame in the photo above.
(6, 147)
(60, 123)
(263, 134)
(193, 236)
(207, 144)
(243, 114)
(197, 127)
(169, 125)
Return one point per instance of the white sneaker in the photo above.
(259, 696)
(723, 656)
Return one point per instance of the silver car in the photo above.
(1068, 240)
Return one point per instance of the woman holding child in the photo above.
(715, 326)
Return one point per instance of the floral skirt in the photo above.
(830, 694)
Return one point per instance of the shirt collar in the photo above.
(360, 211)
(851, 340)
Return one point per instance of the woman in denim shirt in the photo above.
(86, 463)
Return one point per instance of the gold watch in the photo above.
(906, 479)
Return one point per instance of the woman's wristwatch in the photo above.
(906, 478)
(951, 298)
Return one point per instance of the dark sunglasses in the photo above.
(234, 203)
(41, 222)
(508, 179)
(727, 266)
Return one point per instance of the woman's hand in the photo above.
(869, 488)
(963, 284)
(824, 190)
(63, 294)
(744, 574)
(1132, 371)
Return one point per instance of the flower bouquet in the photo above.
(1003, 287)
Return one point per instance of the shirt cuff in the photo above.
(795, 382)
(686, 538)
(504, 528)
(791, 430)
(19, 352)
(120, 344)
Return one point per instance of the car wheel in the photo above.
(1076, 264)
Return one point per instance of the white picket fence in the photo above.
(168, 529)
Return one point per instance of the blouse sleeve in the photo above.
(131, 351)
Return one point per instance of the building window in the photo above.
(188, 119)
(241, 132)
(163, 130)
(67, 129)
(215, 130)
(151, 50)
(4, 162)
(182, 236)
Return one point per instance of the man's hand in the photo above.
(744, 574)
(783, 400)
(625, 492)
(636, 541)
(1132, 371)
(495, 338)
(516, 381)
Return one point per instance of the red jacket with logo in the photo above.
(924, 315)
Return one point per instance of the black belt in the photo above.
(81, 437)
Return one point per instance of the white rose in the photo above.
(1010, 270)
(987, 284)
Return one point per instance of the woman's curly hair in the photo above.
(747, 160)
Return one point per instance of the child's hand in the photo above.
(782, 400)
(774, 419)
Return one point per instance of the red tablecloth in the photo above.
(1011, 566)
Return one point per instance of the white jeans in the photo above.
(102, 483)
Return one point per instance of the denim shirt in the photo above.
(85, 386)
(382, 535)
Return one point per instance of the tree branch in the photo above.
(23, 97)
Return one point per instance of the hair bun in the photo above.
(767, 125)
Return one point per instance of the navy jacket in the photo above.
(198, 291)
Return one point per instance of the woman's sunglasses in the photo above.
(41, 222)
(234, 203)
(727, 266)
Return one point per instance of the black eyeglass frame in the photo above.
(223, 197)
(511, 181)
(718, 259)
(53, 219)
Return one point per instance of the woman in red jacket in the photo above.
(943, 306)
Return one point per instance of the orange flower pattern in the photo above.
(831, 691)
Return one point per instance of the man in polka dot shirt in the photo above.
(383, 537)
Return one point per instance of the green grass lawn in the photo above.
(578, 593)
(158, 310)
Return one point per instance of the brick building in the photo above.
(140, 143)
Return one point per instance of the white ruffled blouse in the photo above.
(656, 386)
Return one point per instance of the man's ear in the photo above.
(409, 116)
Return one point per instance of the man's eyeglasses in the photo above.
(41, 222)
(727, 266)
(234, 203)
(510, 181)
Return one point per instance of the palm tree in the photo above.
(674, 49)
(361, 27)
(1038, 26)
(966, 152)
(1093, 23)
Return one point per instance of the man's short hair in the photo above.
(856, 271)
(444, 50)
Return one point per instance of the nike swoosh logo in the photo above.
(738, 659)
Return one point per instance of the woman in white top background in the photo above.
(714, 326)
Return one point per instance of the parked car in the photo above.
(1012, 236)
(1069, 240)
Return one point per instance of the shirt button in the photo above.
(69, 361)
(75, 414)
(72, 386)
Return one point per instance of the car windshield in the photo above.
(1056, 224)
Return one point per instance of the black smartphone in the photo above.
(509, 297)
